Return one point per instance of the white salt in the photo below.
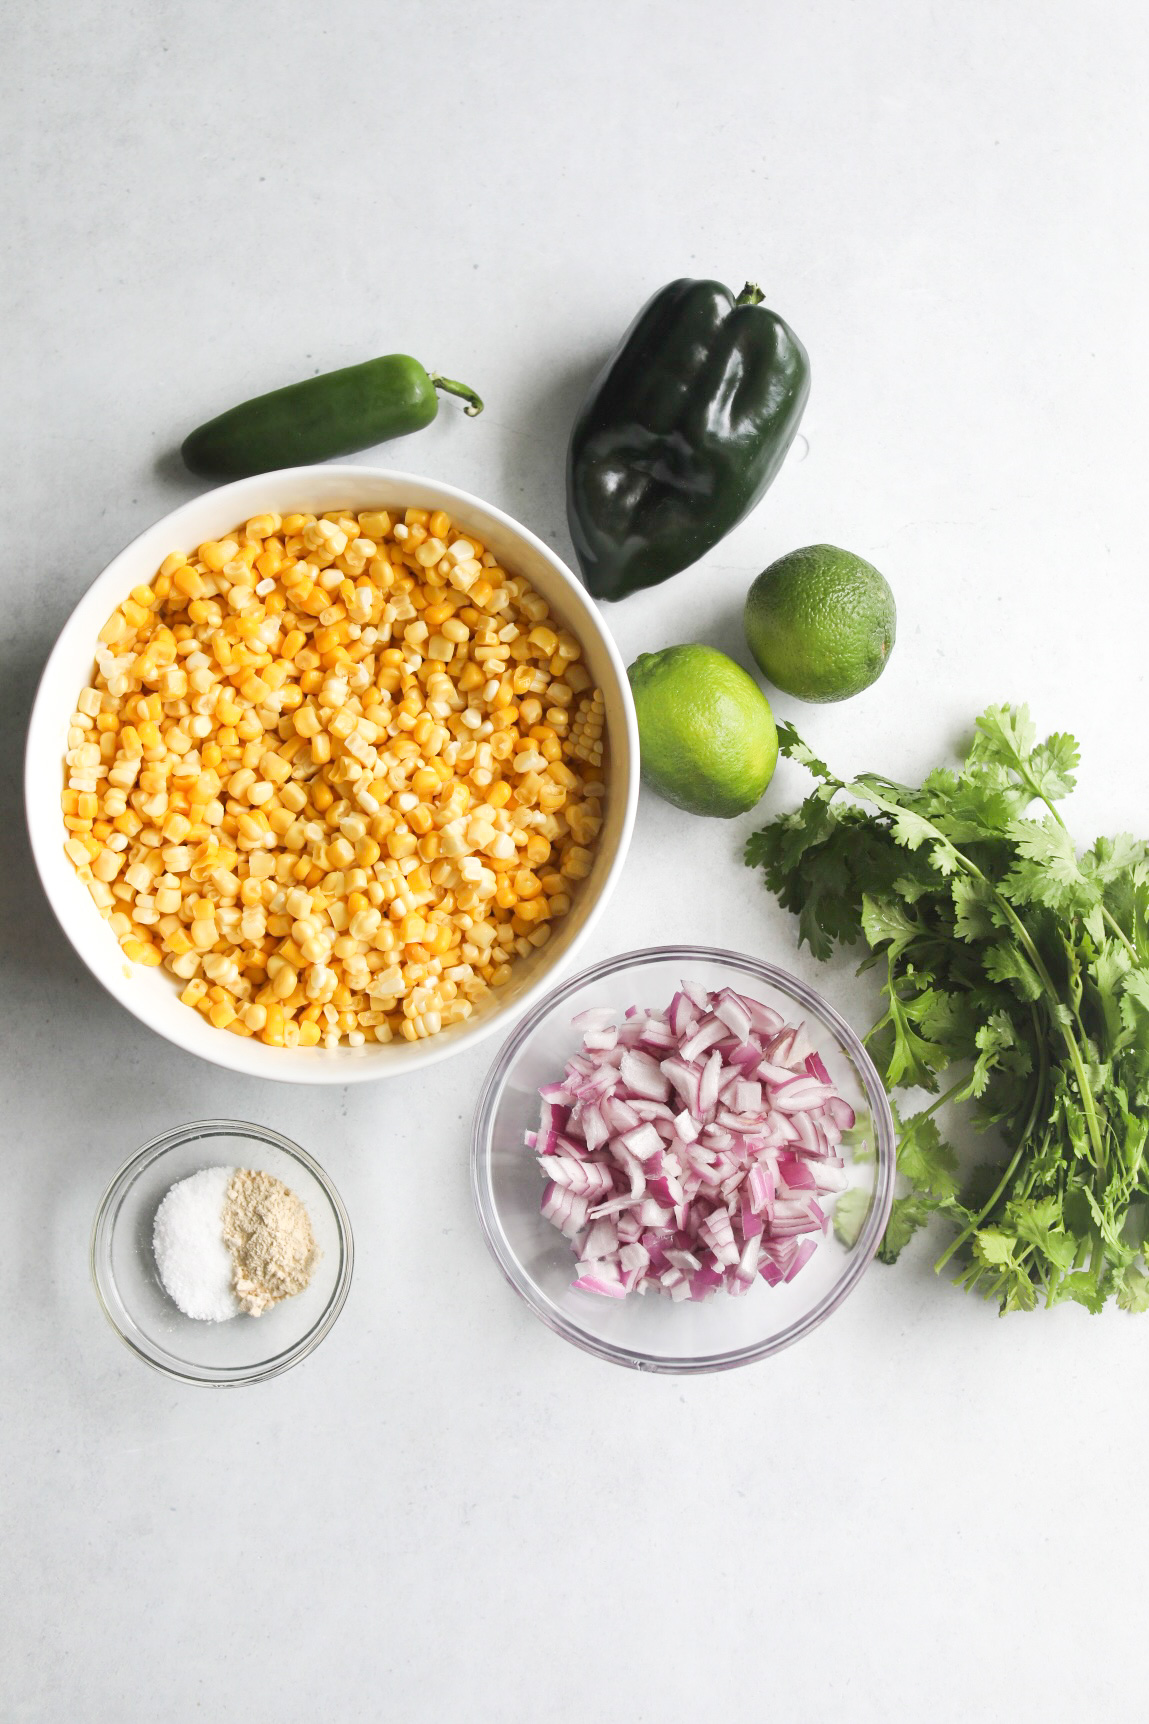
(194, 1263)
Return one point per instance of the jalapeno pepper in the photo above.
(334, 414)
(681, 434)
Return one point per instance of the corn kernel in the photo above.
(366, 794)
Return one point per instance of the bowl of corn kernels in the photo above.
(328, 772)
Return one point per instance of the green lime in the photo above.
(821, 623)
(707, 733)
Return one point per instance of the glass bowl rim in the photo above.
(867, 1241)
(107, 1213)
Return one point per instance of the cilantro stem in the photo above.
(925, 1112)
(1023, 1139)
(1042, 1074)
(1088, 1105)
(974, 1225)
(1000, 1281)
(1121, 934)
(1040, 796)
(1035, 958)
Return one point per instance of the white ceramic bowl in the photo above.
(152, 994)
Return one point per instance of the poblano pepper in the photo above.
(681, 434)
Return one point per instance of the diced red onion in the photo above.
(564, 1208)
(840, 1112)
(614, 1207)
(585, 1179)
(777, 1050)
(751, 1218)
(801, 1094)
(659, 1036)
(682, 1015)
(711, 1030)
(651, 1109)
(618, 1115)
(600, 1277)
(802, 1256)
(601, 1239)
(641, 1140)
(764, 1020)
(643, 1076)
(652, 1214)
(594, 1127)
(734, 1015)
(686, 1150)
(685, 1080)
(801, 1047)
(708, 1085)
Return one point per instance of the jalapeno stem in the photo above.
(751, 295)
(450, 387)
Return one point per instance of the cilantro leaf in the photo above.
(996, 1040)
(909, 1059)
(791, 745)
(912, 829)
(819, 862)
(1132, 1289)
(1005, 962)
(977, 916)
(850, 1214)
(906, 1216)
(994, 1246)
(885, 920)
(1038, 1221)
(1052, 767)
(1003, 736)
(1023, 964)
(1134, 1004)
(1006, 739)
(926, 1160)
(1084, 1287)
(1048, 871)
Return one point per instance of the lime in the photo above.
(821, 623)
(707, 733)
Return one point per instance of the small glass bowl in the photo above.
(243, 1349)
(653, 1333)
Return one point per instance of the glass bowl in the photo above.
(243, 1349)
(652, 1332)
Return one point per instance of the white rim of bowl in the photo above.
(867, 1241)
(346, 1065)
(122, 1182)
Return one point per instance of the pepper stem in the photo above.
(751, 295)
(467, 394)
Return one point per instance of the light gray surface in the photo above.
(446, 1514)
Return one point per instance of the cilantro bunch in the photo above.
(1016, 983)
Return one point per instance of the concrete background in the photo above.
(447, 1514)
